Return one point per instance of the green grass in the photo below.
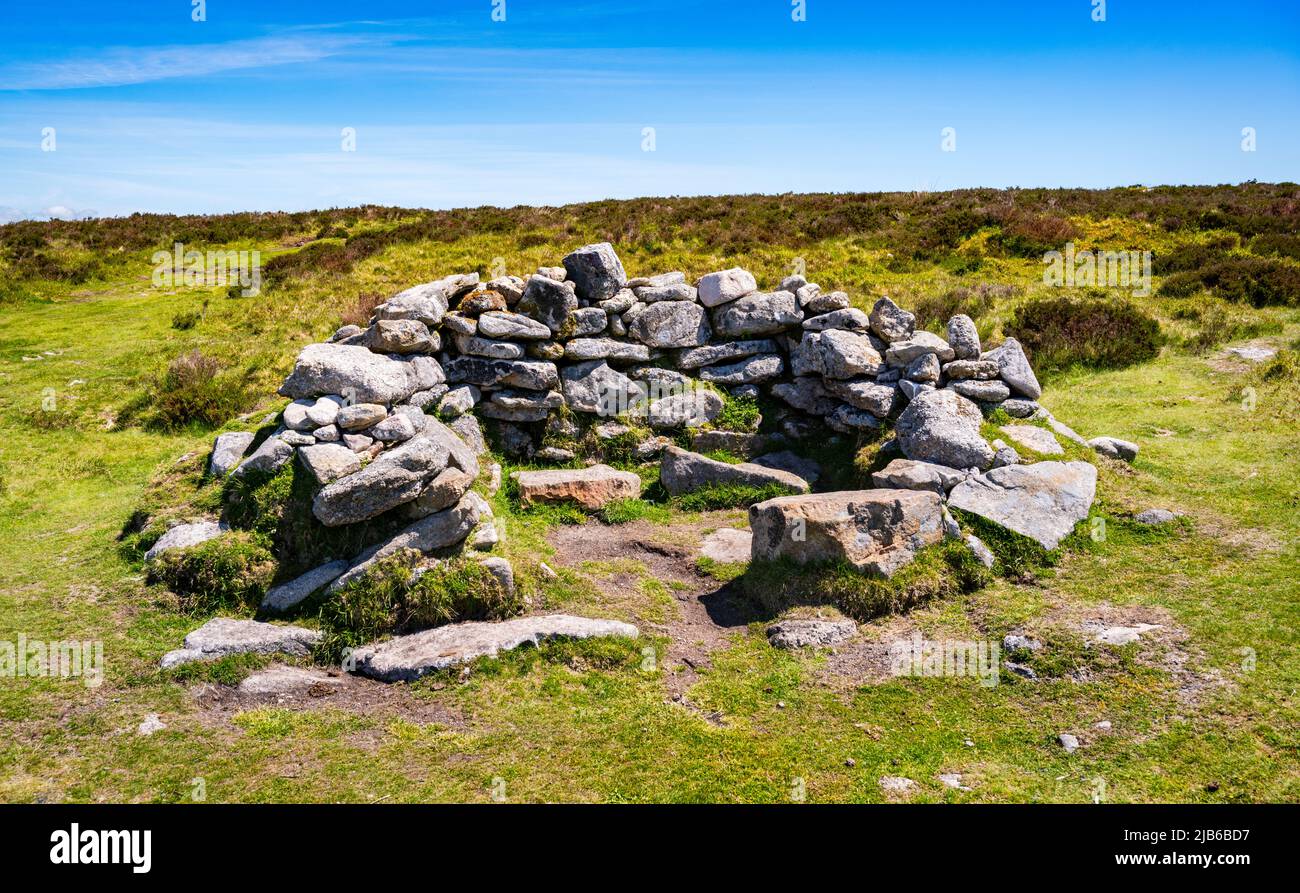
(1193, 718)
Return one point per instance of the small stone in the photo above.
(725, 286)
(1156, 516)
(150, 725)
(798, 633)
(360, 416)
(1114, 448)
(1068, 741)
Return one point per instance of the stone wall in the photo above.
(657, 350)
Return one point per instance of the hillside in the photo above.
(114, 388)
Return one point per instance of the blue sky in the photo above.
(152, 111)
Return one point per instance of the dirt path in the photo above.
(709, 613)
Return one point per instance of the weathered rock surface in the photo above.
(794, 633)
(511, 326)
(280, 680)
(591, 487)
(287, 595)
(396, 477)
(1114, 448)
(907, 474)
(891, 322)
(270, 456)
(943, 427)
(1043, 501)
(671, 324)
(1031, 437)
(547, 301)
(406, 658)
(1015, 370)
(725, 286)
(222, 636)
(757, 314)
(681, 471)
(355, 371)
(227, 450)
(183, 536)
(878, 531)
(689, 410)
(963, 337)
(596, 271)
(440, 530)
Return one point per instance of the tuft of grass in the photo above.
(623, 511)
(723, 571)
(192, 392)
(727, 496)
(229, 573)
(738, 414)
(394, 598)
(939, 571)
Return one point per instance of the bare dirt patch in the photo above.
(709, 613)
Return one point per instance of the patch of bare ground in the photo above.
(357, 695)
(709, 613)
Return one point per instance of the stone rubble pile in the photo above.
(387, 418)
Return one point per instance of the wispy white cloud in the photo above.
(137, 65)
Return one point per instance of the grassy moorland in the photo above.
(95, 433)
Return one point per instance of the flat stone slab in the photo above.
(1031, 437)
(789, 634)
(909, 474)
(1253, 354)
(283, 680)
(590, 487)
(878, 531)
(406, 658)
(727, 545)
(682, 471)
(1042, 501)
(221, 636)
(182, 536)
(1119, 635)
(287, 595)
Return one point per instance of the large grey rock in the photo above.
(401, 336)
(963, 337)
(395, 477)
(360, 416)
(806, 393)
(441, 530)
(288, 595)
(908, 474)
(891, 322)
(355, 372)
(677, 291)
(279, 680)
(426, 303)
(591, 487)
(725, 286)
(852, 319)
(1040, 440)
(582, 349)
(687, 410)
(924, 369)
(270, 456)
(222, 636)
(671, 324)
(750, 370)
(980, 370)
(465, 441)
(798, 633)
(396, 428)
(475, 346)
(943, 427)
(865, 394)
(183, 536)
(1043, 501)
(404, 658)
(539, 375)
(877, 531)
(227, 450)
(1115, 448)
(902, 353)
(835, 353)
(1014, 368)
(588, 321)
(327, 462)
(761, 313)
(681, 471)
(982, 391)
(710, 354)
(511, 326)
(596, 272)
(442, 492)
(597, 387)
(458, 401)
(547, 301)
